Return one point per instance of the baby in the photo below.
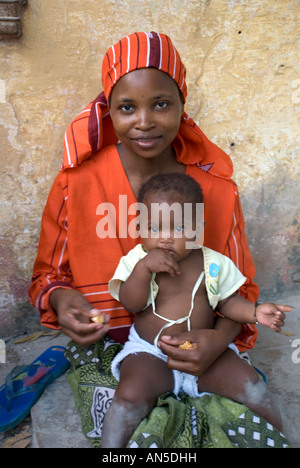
(173, 282)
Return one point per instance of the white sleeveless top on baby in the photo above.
(222, 278)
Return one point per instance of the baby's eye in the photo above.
(179, 229)
(153, 229)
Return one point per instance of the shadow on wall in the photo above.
(273, 230)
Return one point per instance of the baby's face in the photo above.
(170, 225)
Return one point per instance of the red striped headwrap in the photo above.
(142, 50)
(93, 128)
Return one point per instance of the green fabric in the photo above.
(208, 422)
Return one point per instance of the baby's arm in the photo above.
(134, 291)
(240, 310)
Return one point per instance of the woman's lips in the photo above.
(146, 142)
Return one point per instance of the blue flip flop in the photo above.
(24, 386)
(262, 376)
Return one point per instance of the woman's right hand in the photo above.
(74, 315)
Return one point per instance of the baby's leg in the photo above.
(143, 378)
(233, 378)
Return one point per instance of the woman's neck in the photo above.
(139, 170)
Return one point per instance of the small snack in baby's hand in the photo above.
(186, 345)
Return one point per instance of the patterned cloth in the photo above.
(208, 422)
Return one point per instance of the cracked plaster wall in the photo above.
(243, 76)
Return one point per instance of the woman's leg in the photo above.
(233, 378)
(143, 378)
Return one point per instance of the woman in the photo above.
(77, 256)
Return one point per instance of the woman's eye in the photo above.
(153, 229)
(179, 228)
(127, 108)
(162, 104)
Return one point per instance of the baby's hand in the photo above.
(159, 261)
(271, 315)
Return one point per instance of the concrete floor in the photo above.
(54, 422)
(278, 357)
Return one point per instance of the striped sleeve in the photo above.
(51, 268)
(237, 250)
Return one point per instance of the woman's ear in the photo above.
(182, 103)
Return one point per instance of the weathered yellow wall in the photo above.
(243, 68)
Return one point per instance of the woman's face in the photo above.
(146, 110)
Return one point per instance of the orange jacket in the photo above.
(70, 253)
